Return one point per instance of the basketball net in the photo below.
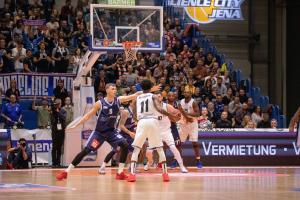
(130, 50)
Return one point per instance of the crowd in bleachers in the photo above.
(59, 44)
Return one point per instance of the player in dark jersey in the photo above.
(106, 130)
(127, 130)
(172, 101)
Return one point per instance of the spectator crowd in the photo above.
(59, 44)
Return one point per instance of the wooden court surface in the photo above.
(208, 183)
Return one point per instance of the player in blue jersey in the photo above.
(172, 101)
(106, 130)
(127, 130)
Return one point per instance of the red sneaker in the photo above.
(121, 176)
(131, 178)
(159, 166)
(165, 177)
(61, 176)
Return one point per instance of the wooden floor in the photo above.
(209, 183)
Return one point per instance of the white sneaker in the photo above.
(146, 167)
(101, 171)
(183, 169)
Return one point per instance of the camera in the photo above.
(23, 144)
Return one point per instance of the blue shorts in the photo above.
(96, 139)
(129, 141)
(175, 132)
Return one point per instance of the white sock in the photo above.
(103, 165)
(177, 155)
(162, 159)
(121, 168)
(71, 166)
(132, 167)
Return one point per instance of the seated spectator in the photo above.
(223, 122)
(203, 120)
(130, 76)
(100, 81)
(69, 110)
(221, 88)
(150, 77)
(12, 90)
(207, 89)
(212, 115)
(20, 157)
(243, 96)
(227, 97)
(245, 121)
(250, 105)
(234, 88)
(251, 125)
(190, 86)
(60, 92)
(265, 123)
(12, 113)
(43, 113)
(219, 106)
(256, 115)
(274, 123)
(230, 117)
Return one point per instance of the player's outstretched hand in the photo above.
(156, 88)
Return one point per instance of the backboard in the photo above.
(110, 25)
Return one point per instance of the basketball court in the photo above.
(208, 183)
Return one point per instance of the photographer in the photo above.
(58, 125)
(20, 157)
(60, 55)
(12, 114)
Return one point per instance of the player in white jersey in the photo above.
(166, 134)
(189, 124)
(149, 111)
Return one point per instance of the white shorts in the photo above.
(167, 137)
(147, 128)
(189, 130)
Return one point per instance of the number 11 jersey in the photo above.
(145, 107)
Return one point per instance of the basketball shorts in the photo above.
(96, 139)
(129, 140)
(148, 128)
(189, 130)
(167, 137)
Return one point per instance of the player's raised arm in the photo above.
(87, 116)
(294, 120)
(131, 97)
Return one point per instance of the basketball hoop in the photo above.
(130, 49)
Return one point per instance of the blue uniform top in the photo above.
(175, 105)
(129, 124)
(13, 111)
(108, 116)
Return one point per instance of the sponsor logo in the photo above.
(208, 11)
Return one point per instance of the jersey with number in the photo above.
(129, 124)
(145, 107)
(164, 123)
(109, 115)
(188, 107)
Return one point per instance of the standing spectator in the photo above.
(256, 115)
(60, 92)
(60, 56)
(58, 125)
(142, 68)
(19, 53)
(53, 24)
(13, 90)
(69, 111)
(67, 10)
(264, 123)
(42, 59)
(20, 157)
(100, 82)
(43, 113)
(12, 113)
(28, 62)
(223, 122)
(130, 76)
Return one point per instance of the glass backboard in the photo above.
(113, 24)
